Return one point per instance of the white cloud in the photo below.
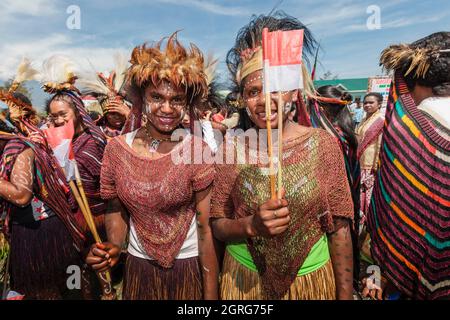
(334, 15)
(210, 7)
(26, 7)
(404, 22)
(39, 49)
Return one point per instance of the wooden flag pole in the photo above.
(280, 144)
(273, 194)
(86, 205)
(108, 292)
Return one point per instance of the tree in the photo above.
(22, 88)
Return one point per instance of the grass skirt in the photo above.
(240, 283)
(146, 280)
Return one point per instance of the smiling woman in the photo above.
(171, 251)
(298, 246)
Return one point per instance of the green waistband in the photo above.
(317, 257)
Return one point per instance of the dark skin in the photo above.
(341, 252)
(371, 105)
(18, 190)
(166, 106)
(420, 93)
(116, 114)
(272, 217)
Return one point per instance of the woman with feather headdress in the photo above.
(163, 205)
(297, 246)
(64, 107)
(39, 222)
(108, 92)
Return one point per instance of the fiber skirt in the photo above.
(40, 254)
(240, 283)
(146, 280)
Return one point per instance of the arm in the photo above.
(106, 255)
(19, 191)
(119, 107)
(116, 223)
(221, 127)
(341, 251)
(207, 252)
(232, 230)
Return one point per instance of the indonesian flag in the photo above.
(282, 57)
(60, 140)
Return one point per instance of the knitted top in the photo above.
(157, 193)
(316, 186)
(409, 218)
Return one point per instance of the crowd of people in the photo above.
(362, 186)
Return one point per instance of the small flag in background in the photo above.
(282, 56)
(60, 140)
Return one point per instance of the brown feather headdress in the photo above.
(103, 87)
(176, 64)
(22, 114)
(407, 58)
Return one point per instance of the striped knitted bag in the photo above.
(409, 218)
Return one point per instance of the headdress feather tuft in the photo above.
(407, 58)
(22, 114)
(25, 72)
(176, 64)
(58, 74)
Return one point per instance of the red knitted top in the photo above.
(157, 193)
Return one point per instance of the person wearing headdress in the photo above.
(162, 204)
(329, 110)
(64, 106)
(233, 105)
(45, 238)
(410, 206)
(108, 92)
(299, 246)
(202, 114)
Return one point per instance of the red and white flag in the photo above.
(60, 140)
(282, 57)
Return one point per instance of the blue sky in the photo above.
(37, 29)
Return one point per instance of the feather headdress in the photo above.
(210, 69)
(213, 98)
(21, 113)
(180, 66)
(102, 86)
(58, 74)
(407, 58)
(25, 72)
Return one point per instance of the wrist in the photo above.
(249, 229)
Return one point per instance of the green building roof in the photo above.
(356, 87)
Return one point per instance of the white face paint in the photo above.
(287, 107)
(248, 112)
(183, 113)
(165, 106)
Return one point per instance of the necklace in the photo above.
(154, 143)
